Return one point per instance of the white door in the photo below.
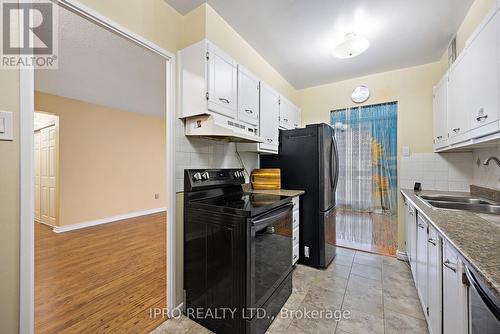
(440, 110)
(222, 83)
(269, 118)
(482, 61)
(48, 175)
(454, 294)
(458, 99)
(422, 260)
(37, 175)
(248, 97)
(434, 279)
(288, 114)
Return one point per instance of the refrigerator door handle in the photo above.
(332, 161)
(336, 161)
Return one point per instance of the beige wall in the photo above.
(477, 12)
(9, 208)
(410, 87)
(111, 162)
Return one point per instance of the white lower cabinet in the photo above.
(437, 271)
(411, 240)
(434, 277)
(422, 285)
(455, 319)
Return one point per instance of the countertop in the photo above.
(476, 237)
(281, 192)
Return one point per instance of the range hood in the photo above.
(221, 128)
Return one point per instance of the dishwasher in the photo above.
(484, 307)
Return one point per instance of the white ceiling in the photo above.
(100, 67)
(297, 36)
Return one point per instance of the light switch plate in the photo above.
(6, 124)
(406, 151)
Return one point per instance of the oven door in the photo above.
(270, 249)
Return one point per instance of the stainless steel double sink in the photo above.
(472, 204)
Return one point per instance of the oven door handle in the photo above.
(272, 216)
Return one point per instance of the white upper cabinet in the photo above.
(222, 82)
(482, 57)
(289, 115)
(457, 115)
(440, 106)
(269, 118)
(473, 115)
(248, 97)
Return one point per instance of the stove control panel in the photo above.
(212, 178)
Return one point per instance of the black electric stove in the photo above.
(237, 252)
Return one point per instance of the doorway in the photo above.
(46, 157)
(30, 82)
(366, 217)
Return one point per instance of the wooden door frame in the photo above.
(26, 127)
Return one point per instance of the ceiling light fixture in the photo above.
(352, 46)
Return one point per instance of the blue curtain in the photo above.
(367, 139)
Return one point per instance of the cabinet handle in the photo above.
(481, 118)
(294, 238)
(456, 130)
(420, 225)
(295, 256)
(269, 140)
(432, 241)
(223, 100)
(248, 111)
(285, 119)
(450, 265)
(439, 137)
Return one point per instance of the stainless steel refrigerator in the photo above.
(308, 159)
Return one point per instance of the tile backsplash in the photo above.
(192, 152)
(486, 176)
(446, 171)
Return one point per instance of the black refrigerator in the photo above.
(308, 159)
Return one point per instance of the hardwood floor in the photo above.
(102, 279)
(370, 232)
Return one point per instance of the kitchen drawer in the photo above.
(295, 202)
(295, 237)
(295, 254)
(296, 219)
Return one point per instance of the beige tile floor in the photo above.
(378, 292)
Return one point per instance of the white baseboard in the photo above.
(401, 256)
(112, 219)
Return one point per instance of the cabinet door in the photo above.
(288, 114)
(434, 279)
(411, 231)
(440, 108)
(458, 102)
(454, 293)
(482, 63)
(269, 115)
(248, 97)
(222, 83)
(422, 260)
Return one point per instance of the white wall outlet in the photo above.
(406, 151)
(306, 251)
(6, 126)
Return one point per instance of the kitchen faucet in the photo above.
(487, 161)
